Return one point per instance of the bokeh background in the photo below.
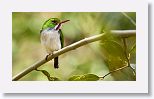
(90, 58)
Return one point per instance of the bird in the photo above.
(52, 37)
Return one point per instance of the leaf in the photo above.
(53, 79)
(74, 78)
(45, 73)
(113, 48)
(86, 77)
(89, 77)
(48, 75)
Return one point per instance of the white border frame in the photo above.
(138, 86)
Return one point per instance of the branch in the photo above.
(113, 71)
(124, 33)
(69, 48)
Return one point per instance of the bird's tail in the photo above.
(56, 63)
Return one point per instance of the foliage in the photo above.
(116, 56)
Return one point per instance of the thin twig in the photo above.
(113, 72)
(125, 51)
(127, 55)
(64, 50)
(131, 20)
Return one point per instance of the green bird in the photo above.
(52, 37)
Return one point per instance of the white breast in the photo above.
(50, 40)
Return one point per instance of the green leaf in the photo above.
(45, 73)
(74, 78)
(48, 75)
(86, 77)
(113, 48)
(89, 77)
(53, 79)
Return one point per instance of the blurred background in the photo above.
(93, 58)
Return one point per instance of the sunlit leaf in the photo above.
(74, 78)
(86, 77)
(89, 77)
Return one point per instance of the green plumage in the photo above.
(50, 23)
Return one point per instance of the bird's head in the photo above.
(53, 23)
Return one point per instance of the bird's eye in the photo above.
(54, 21)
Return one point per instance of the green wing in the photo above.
(61, 38)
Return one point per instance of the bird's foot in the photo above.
(46, 58)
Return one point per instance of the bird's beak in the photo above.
(58, 26)
(64, 21)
